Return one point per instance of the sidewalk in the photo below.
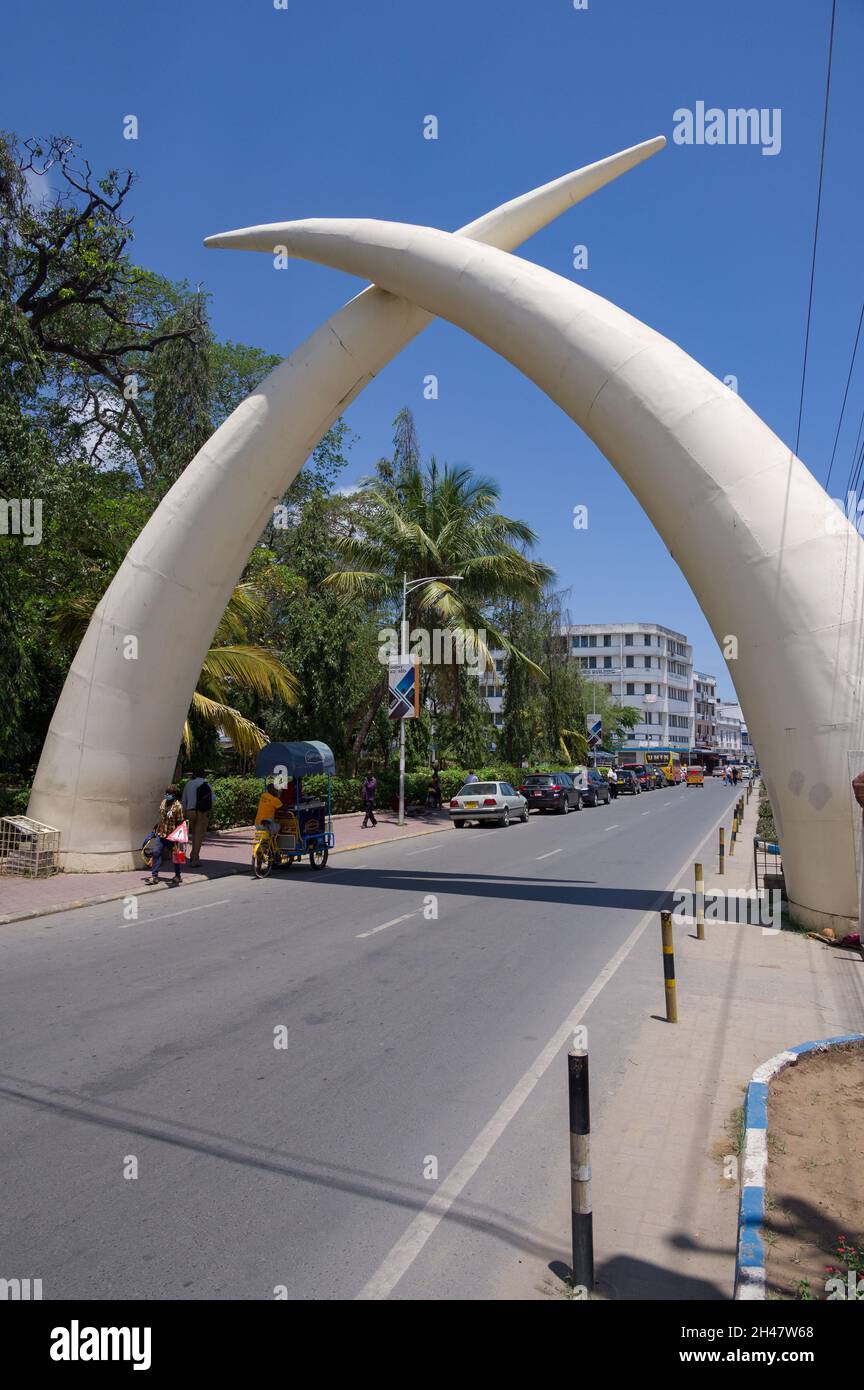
(665, 1151)
(224, 852)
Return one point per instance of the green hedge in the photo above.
(13, 801)
(765, 827)
(235, 799)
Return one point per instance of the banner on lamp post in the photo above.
(404, 689)
(595, 732)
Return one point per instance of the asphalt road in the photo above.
(371, 1153)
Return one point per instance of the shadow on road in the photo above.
(412, 1197)
(509, 887)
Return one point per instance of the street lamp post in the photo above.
(407, 588)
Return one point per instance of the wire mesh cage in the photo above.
(28, 849)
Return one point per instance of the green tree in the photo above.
(427, 522)
(234, 665)
(181, 386)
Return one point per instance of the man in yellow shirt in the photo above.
(270, 803)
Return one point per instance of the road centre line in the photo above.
(425, 1223)
(220, 902)
(549, 855)
(612, 827)
(384, 925)
(427, 850)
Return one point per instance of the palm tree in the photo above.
(232, 663)
(426, 522)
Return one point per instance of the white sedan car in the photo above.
(488, 801)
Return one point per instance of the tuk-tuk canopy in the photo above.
(295, 759)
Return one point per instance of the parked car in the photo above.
(628, 781)
(487, 801)
(644, 777)
(551, 791)
(597, 788)
(656, 779)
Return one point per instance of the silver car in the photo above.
(487, 801)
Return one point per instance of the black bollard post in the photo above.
(580, 1169)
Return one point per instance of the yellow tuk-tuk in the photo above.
(695, 776)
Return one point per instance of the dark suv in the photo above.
(643, 775)
(597, 789)
(628, 781)
(551, 791)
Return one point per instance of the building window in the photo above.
(628, 640)
(583, 641)
(647, 689)
(628, 661)
(631, 689)
(592, 663)
(607, 639)
(607, 663)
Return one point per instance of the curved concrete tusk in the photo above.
(776, 568)
(505, 227)
(113, 740)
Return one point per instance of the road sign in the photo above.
(404, 689)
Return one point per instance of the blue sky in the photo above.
(252, 114)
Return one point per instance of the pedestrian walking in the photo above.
(612, 779)
(367, 795)
(197, 803)
(433, 796)
(170, 819)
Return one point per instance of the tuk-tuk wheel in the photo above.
(262, 861)
(318, 856)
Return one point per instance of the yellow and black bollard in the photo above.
(582, 1220)
(722, 868)
(669, 967)
(700, 904)
(734, 836)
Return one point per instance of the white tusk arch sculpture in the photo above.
(113, 740)
(775, 567)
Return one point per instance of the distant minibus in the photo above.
(665, 760)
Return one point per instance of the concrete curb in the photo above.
(750, 1283)
(130, 892)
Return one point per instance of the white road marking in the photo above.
(426, 1222)
(384, 925)
(646, 813)
(428, 850)
(220, 902)
(613, 827)
(549, 855)
(667, 803)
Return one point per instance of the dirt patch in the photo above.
(815, 1191)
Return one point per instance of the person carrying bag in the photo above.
(197, 805)
(172, 835)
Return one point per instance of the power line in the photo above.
(845, 395)
(816, 228)
(857, 462)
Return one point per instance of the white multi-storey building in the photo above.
(732, 735)
(704, 710)
(645, 665)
